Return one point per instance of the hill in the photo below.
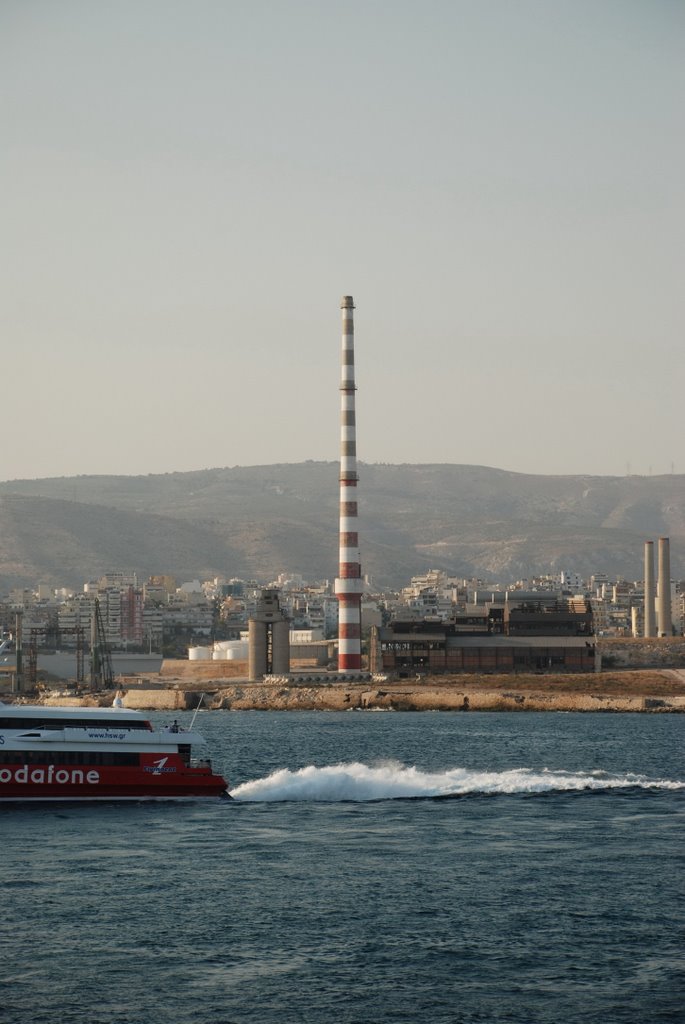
(257, 521)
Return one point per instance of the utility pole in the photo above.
(19, 673)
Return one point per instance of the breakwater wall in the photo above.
(141, 700)
(261, 697)
(431, 698)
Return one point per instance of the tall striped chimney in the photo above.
(649, 617)
(663, 589)
(348, 585)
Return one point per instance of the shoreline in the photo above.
(639, 692)
(432, 697)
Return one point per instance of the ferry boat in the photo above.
(69, 753)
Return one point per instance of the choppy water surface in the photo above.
(374, 867)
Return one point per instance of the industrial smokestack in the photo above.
(663, 593)
(650, 620)
(348, 585)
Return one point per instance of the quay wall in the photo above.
(431, 698)
(138, 699)
(362, 697)
(650, 690)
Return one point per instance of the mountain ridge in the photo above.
(257, 521)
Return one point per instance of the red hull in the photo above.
(43, 782)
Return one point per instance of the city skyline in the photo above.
(189, 191)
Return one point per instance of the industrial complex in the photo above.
(437, 624)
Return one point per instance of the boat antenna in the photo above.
(199, 704)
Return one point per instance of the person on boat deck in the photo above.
(174, 727)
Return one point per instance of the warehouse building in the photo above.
(529, 638)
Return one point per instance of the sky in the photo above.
(188, 189)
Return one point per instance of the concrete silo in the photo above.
(268, 638)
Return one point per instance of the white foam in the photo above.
(360, 782)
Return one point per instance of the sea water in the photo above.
(372, 867)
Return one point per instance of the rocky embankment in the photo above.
(431, 698)
(655, 692)
(442, 696)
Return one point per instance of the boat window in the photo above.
(116, 724)
(80, 757)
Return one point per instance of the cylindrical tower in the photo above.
(348, 585)
(635, 621)
(281, 647)
(268, 638)
(663, 592)
(649, 618)
(257, 657)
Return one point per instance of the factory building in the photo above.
(541, 636)
(405, 649)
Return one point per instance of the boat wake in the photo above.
(361, 782)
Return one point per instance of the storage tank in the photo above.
(238, 650)
(199, 654)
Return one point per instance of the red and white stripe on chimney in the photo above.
(348, 585)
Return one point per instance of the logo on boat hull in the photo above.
(159, 767)
(49, 774)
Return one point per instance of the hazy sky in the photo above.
(188, 188)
